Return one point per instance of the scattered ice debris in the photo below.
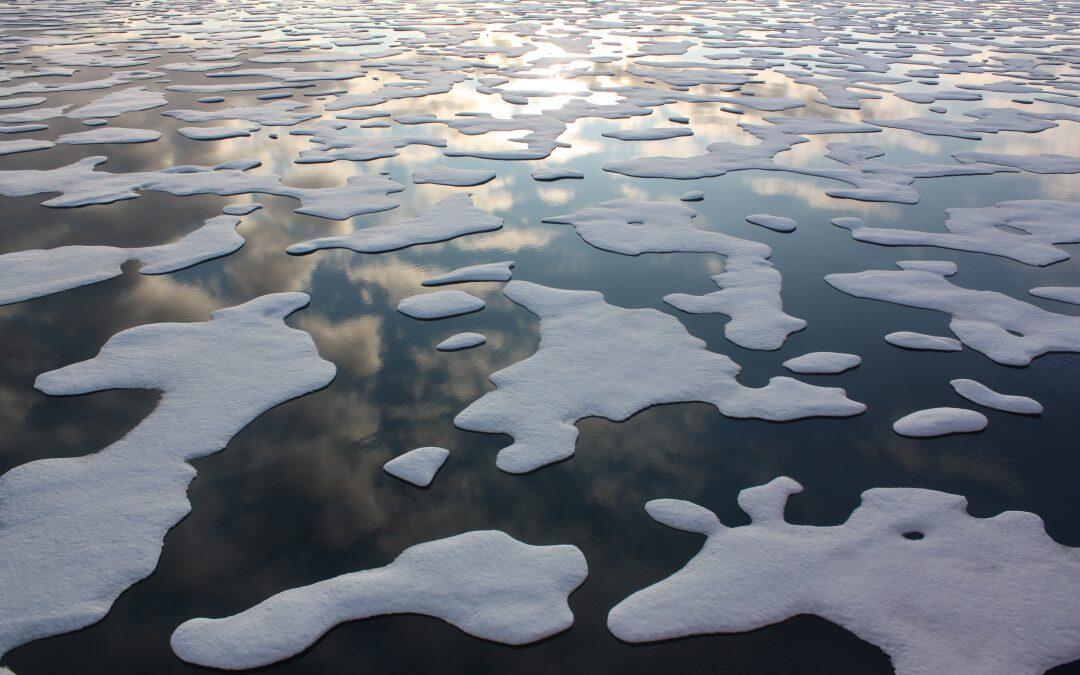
(80, 185)
(940, 422)
(774, 223)
(496, 271)
(485, 582)
(440, 305)
(448, 219)
(648, 134)
(443, 175)
(597, 359)
(979, 393)
(750, 285)
(822, 363)
(1025, 230)
(217, 133)
(110, 135)
(79, 531)
(1009, 331)
(32, 274)
(417, 466)
(456, 343)
(1069, 294)
(909, 571)
(553, 173)
(692, 196)
(935, 343)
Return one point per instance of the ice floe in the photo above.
(496, 271)
(79, 531)
(456, 343)
(940, 422)
(979, 393)
(909, 571)
(822, 363)
(485, 582)
(597, 359)
(775, 223)
(417, 466)
(440, 305)
(937, 343)
(443, 175)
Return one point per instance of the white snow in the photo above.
(910, 340)
(775, 223)
(909, 571)
(979, 393)
(822, 363)
(486, 583)
(940, 422)
(417, 466)
(110, 135)
(496, 271)
(456, 343)
(443, 175)
(450, 218)
(79, 531)
(440, 305)
(597, 359)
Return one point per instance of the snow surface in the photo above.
(486, 583)
(909, 571)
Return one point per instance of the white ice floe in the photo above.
(648, 134)
(597, 359)
(456, 343)
(775, 223)
(909, 571)
(692, 196)
(940, 422)
(496, 271)
(79, 531)
(750, 285)
(337, 141)
(110, 135)
(1007, 330)
(935, 343)
(440, 305)
(450, 218)
(119, 102)
(1042, 163)
(822, 363)
(945, 268)
(486, 583)
(217, 133)
(417, 466)
(979, 393)
(553, 173)
(274, 114)
(23, 145)
(1069, 294)
(444, 175)
(1025, 230)
(32, 274)
(79, 184)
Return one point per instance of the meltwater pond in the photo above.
(304, 238)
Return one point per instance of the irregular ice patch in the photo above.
(417, 466)
(338, 142)
(23, 145)
(118, 103)
(1007, 330)
(448, 219)
(548, 174)
(443, 175)
(216, 133)
(822, 363)
(496, 271)
(597, 359)
(979, 393)
(648, 134)
(79, 531)
(32, 274)
(440, 305)
(1025, 230)
(1069, 294)
(940, 422)
(775, 223)
(750, 285)
(275, 114)
(456, 343)
(910, 340)
(110, 135)
(486, 583)
(909, 571)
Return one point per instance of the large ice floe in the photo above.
(31, 274)
(750, 285)
(597, 359)
(448, 219)
(486, 583)
(1007, 330)
(909, 571)
(77, 532)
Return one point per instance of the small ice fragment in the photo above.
(417, 466)
(940, 422)
(440, 305)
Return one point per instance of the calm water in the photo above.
(300, 495)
